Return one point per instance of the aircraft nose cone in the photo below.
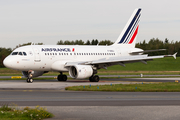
(7, 62)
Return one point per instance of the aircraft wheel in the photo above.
(59, 77)
(30, 80)
(27, 80)
(62, 77)
(96, 78)
(91, 79)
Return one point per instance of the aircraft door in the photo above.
(37, 57)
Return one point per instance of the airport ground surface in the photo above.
(70, 105)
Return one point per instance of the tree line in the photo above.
(88, 42)
(152, 44)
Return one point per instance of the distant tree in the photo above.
(60, 42)
(105, 42)
(96, 42)
(166, 41)
(4, 52)
(67, 42)
(80, 42)
(87, 42)
(93, 42)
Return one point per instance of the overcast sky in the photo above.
(49, 21)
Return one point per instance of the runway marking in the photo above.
(12, 77)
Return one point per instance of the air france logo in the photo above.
(56, 50)
(73, 49)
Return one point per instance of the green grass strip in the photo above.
(142, 87)
(38, 113)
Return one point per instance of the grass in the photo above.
(155, 87)
(38, 113)
(164, 64)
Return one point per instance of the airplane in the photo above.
(81, 61)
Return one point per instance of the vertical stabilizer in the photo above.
(127, 38)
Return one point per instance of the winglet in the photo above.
(174, 55)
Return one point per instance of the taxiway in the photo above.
(92, 105)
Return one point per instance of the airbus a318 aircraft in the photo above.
(79, 60)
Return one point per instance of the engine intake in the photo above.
(80, 71)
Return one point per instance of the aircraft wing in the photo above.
(146, 51)
(120, 60)
(123, 60)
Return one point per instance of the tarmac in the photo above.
(93, 105)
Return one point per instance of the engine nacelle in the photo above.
(33, 73)
(80, 71)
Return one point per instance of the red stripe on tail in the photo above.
(133, 37)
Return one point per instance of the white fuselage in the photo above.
(41, 57)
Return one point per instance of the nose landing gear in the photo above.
(29, 77)
(29, 80)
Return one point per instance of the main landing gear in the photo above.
(94, 78)
(62, 77)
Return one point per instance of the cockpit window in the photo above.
(24, 53)
(19, 53)
(14, 53)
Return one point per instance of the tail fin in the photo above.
(127, 38)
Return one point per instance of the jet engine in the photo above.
(80, 71)
(32, 74)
